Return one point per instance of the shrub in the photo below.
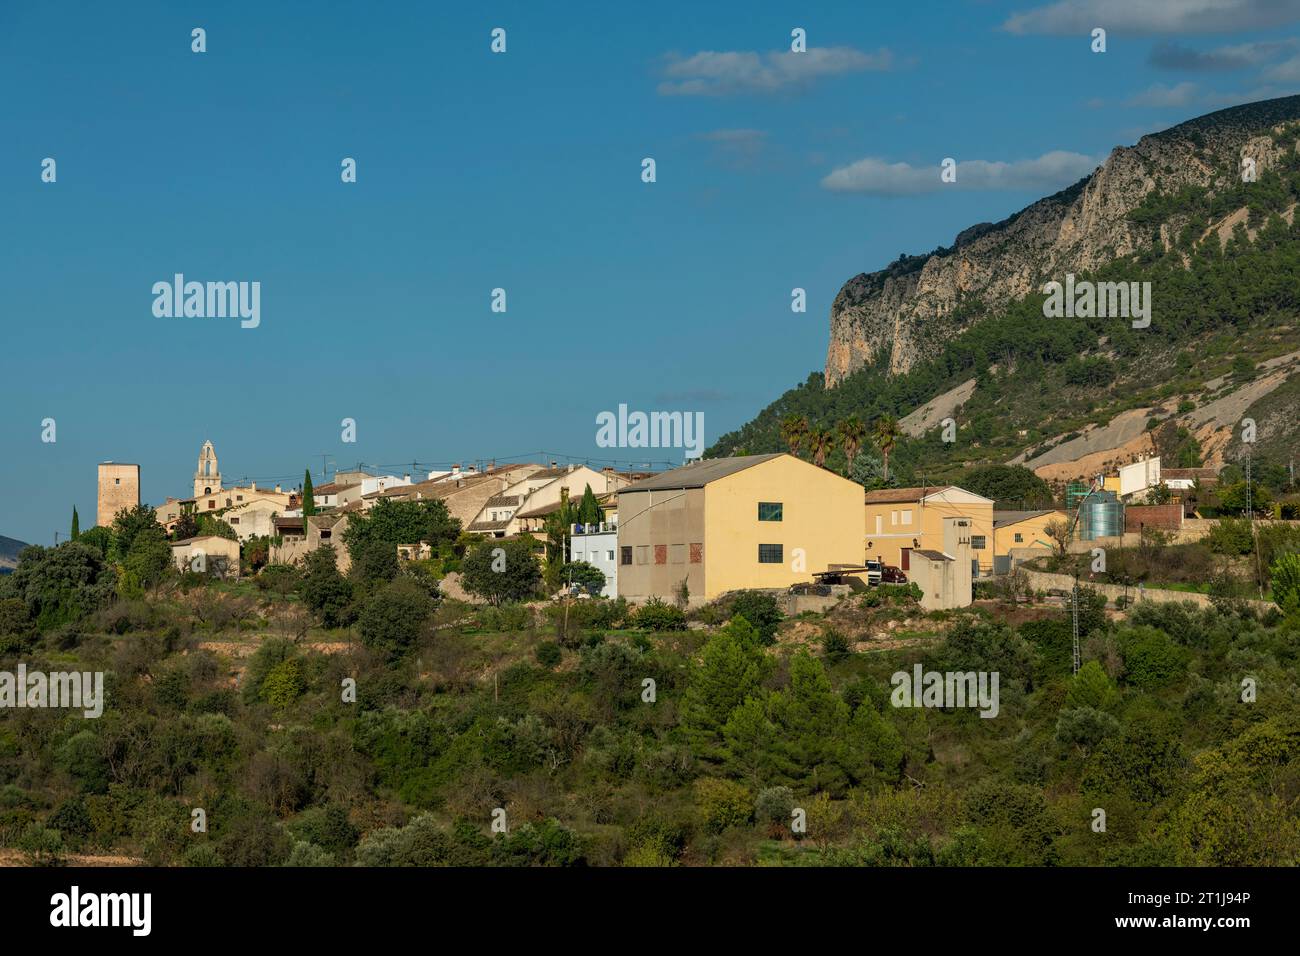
(1151, 658)
(394, 617)
(759, 609)
(835, 646)
(722, 804)
(548, 653)
(656, 615)
(502, 570)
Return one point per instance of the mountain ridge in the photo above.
(902, 313)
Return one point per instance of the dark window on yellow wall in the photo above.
(1019, 537)
(977, 542)
(769, 511)
(625, 555)
(769, 554)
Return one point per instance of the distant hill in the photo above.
(962, 332)
(9, 549)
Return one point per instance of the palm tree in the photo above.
(852, 434)
(886, 435)
(821, 441)
(794, 428)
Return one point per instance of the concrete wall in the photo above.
(665, 530)
(1042, 581)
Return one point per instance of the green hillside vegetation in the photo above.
(1216, 312)
(237, 698)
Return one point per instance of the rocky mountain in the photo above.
(961, 334)
(9, 549)
(903, 314)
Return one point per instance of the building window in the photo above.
(610, 556)
(977, 542)
(117, 481)
(769, 511)
(678, 554)
(697, 552)
(211, 503)
(770, 554)
(234, 521)
(661, 554)
(906, 516)
(643, 554)
(893, 518)
(625, 553)
(1019, 537)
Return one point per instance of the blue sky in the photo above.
(522, 171)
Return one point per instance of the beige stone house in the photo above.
(207, 554)
(902, 520)
(719, 525)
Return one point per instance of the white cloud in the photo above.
(710, 73)
(1163, 97)
(1175, 56)
(1049, 172)
(1288, 71)
(1134, 17)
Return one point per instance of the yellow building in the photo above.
(902, 520)
(1021, 529)
(726, 524)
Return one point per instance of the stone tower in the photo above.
(119, 487)
(207, 479)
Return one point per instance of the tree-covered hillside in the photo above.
(1218, 310)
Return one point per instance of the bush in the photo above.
(502, 570)
(774, 807)
(324, 589)
(761, 610)
(393, 618)
(548, 654)
(1151, 658)
(835, 646)
(722, 804)
(655, 615)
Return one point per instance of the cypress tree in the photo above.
(308, 502)
(76, 524)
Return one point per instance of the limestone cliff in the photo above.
(905, 312)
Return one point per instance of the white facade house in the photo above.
(597, 544)
(1139, 476)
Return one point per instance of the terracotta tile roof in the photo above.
(502, 501)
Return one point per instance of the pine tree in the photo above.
(76, 524)
(308, 502)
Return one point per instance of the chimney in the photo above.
(252, 486)
(407, 477)
(455, 469)
(277, 489)
(552, 463)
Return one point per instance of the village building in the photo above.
(944, 575)
(719, 525)
(900, 521)
(1022, 531)
(207, 554)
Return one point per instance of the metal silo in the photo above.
(1102, 517)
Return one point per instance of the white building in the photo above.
(1139, 476)
(597, 544)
